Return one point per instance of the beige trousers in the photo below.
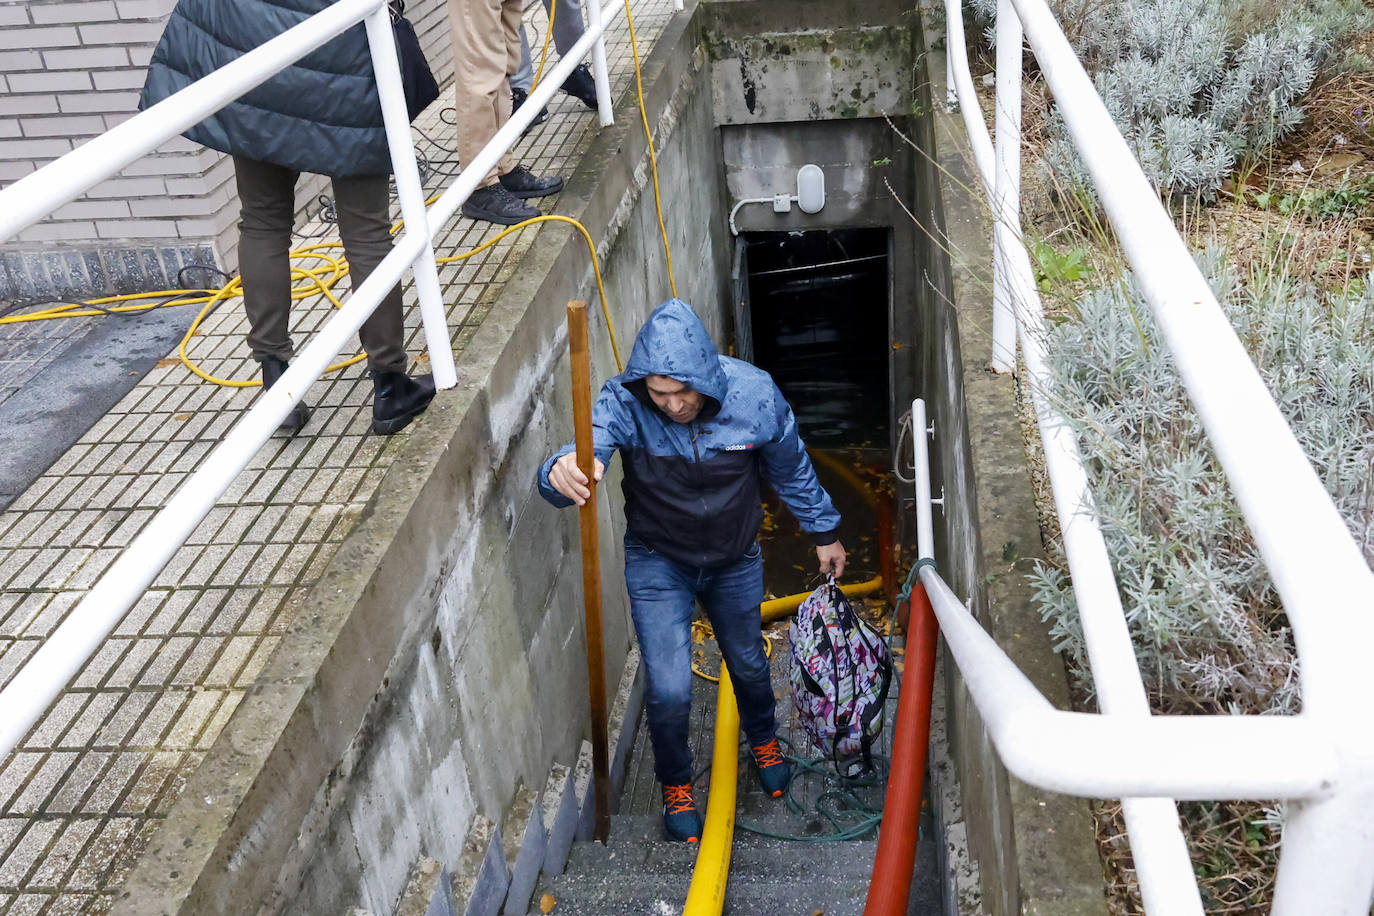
(486, 47)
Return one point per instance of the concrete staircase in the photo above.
(639, 873)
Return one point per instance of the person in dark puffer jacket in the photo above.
(698, 434)
(321, 115)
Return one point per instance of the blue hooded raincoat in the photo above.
(692, 490)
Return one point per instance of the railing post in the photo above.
(600, 75)
(1327, 862)
(1006, 203)
(382, 42)
(920, 462)
(961, 84)
(951, 94)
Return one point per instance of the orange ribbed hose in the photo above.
(896, 857)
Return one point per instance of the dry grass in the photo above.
(1234, 857)
(1333, 147)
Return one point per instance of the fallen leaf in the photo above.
(164, 363)
(546, 903)
(183, 417)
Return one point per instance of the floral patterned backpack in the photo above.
(841, 671)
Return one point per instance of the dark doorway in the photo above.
(818, 303)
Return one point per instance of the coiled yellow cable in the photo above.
(322, 280)
(591, 250)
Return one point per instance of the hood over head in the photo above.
(674, 343)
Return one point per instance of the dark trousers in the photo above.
(267, 195)
(663, 598)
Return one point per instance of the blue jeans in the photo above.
(663, 597)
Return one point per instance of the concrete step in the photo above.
(796, 898)
(756, 860)
(624, 895)
(637, 829)
(639, 895)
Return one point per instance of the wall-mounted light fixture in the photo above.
(810, 196)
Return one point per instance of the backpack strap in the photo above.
(876, 708)
(848, 620)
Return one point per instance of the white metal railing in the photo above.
(1327, 860)
(37, 684)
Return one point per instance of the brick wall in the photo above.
(69, 71)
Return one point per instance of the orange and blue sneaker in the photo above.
(681, 820)
(774, 770)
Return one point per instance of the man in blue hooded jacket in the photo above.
(698, 433)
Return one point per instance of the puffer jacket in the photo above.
(692, 491)
(321, 114)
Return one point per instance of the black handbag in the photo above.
(416, 78)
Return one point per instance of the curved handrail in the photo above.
(1104, 756)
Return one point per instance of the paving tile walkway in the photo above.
(83, 793)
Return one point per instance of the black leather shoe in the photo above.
(517, 98)
(523, 183)
(273, 369)
(495, 204)
(397, 399)
(580, 85)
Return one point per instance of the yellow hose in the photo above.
(844, 471)
(321, 280)
(706, 895)
(781, 607)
